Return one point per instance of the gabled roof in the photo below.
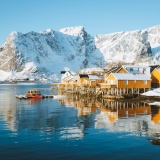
(153, 67)
(83, 76)
(63, 72)
(134, 71)
(135, 66)
(67, 78)
(113, 70)
(130, 76)
(74, 78)
(93, 77)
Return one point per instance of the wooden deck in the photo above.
(105, 85)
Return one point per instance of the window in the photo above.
(131, 69)
(144, 82)
(113, 81)
(134, 81)
(109, 81)
(126, 82)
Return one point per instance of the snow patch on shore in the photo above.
(155, 92)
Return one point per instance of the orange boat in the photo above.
(34, 94)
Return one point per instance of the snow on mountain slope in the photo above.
(123, 46)
(47, 53)
(153, 35)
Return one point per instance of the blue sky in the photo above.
(97, 16)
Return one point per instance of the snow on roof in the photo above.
(71, 78)
(135, 71)
(74, 78)
(93, 77)
(130, 76)
(134, 66)
(65, 74)
(67, 78)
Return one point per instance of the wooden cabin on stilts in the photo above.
(120, 84)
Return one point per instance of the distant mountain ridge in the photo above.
(48, 52)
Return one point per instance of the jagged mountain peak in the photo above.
(47, 32)
(73, 31)
(157, 27)
(48, 52)
(12, 37)
(13, 34)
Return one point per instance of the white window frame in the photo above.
(113, 82)
(144, 81)
(126, 82)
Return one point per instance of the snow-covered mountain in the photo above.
(49, 52)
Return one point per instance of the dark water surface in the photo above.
(73, 128)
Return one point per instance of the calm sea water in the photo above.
(73, 128)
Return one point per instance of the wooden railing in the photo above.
(105, 85)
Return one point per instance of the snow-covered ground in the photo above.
(154, 92)
(155, 103)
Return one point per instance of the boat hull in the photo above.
(35, 96)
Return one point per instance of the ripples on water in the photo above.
(73, 128)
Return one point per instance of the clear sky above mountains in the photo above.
(97, 16)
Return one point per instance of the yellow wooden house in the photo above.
(123, 80)
(124, 83)
(95, 80)
(155, 76)
(115, 70)
(83, 79)
(130, 111)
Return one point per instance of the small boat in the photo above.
(34, 94)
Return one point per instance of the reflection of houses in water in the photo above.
(155, 112)
(128, 109)
(85, 107)
(132, 117)
(112, 109)
(8, 110)
(116, 116)
(112, 115)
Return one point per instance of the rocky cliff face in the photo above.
(48, 52)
